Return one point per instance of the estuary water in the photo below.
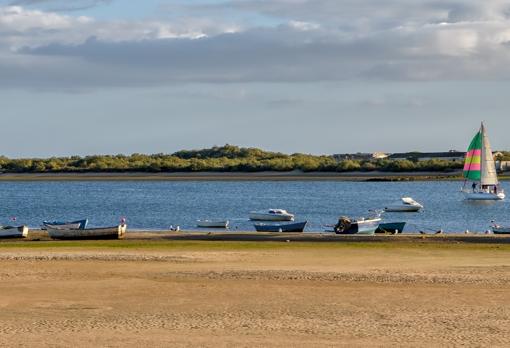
(157, 205)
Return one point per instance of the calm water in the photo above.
(157, 205)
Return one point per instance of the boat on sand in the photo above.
(13, 231)
(498, 229)
(391, 227)
(346, 225)
(281, 227)
(115, 232)
(78, 224)
(271, 215)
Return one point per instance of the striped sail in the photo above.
(472, 165)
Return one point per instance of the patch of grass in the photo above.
(250, 245)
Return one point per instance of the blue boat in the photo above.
(393, 227)
(77, 225)
(285, 227)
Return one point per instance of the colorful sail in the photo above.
(472, 165)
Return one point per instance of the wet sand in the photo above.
(246, 294)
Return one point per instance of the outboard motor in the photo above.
(343, 224)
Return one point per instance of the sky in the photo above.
(82, 77)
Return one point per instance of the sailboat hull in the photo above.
(484, 196)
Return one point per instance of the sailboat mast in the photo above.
(483, 155)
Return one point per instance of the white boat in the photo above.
(406, 204)
(13, 232)
(272, 215)
(498, 229)
(115, 232)
(480, 171)
(212, 223)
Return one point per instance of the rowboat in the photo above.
(212, 223)
(357, 226)
(283, 227)
(77, 225)
(480, 170)
(406, 205)
(115, 232)
(393, 227)
(498, 229)
(13, 231)
(271, 215)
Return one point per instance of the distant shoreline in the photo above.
(237, 176)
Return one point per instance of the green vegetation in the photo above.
(187, 245)
(226, 158)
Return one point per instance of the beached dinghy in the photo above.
(13, 231)
(391, 227)
(282, 227)
(346, 225)
(272, 215)
(480, 170)
(115, 232)
(498, 229)
(406, 205)
(77, 225)
(212, 223)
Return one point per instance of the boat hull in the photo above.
(293, 227)
(78, 224)
(271, 217)
(367, 227)
(14, 232)
(212, 224)
(116, 232)
(392, 227)
(403, 209)
(484, 196)
(501, 230)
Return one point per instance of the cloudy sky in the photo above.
(313, 76)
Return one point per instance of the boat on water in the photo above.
(212, 223)
(281, 227)
(13, 231)
(480, 170)
(115, 232)
(406, 205)
(78, 224)
(391, 227)
(346, 225)
(272, 215)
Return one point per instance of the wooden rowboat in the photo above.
(13, 231)
(115, 232)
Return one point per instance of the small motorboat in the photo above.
(13, 231)
(281, 227)
(498, 229)
(115, 232)
(407, 204)
(77, 225)
(212, 223)
(272, 215)
(391, 227)
(346, 225)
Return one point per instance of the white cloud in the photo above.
(316, 41)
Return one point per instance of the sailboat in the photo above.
(480, 170)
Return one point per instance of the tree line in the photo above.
(226, 158)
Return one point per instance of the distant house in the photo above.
(360, 156)
(451, 155)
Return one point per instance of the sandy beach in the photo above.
(245, 294)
